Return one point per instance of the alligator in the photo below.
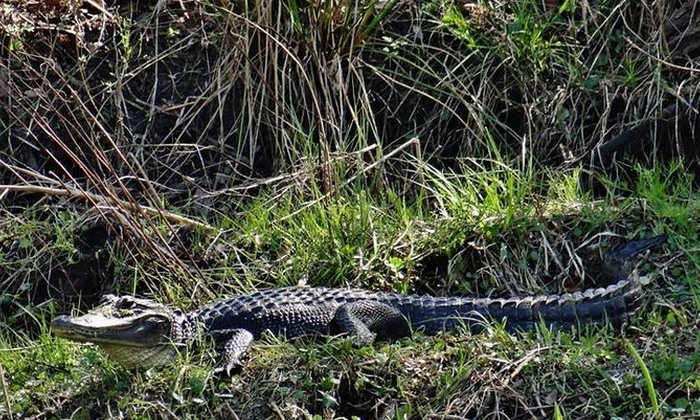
(141, 333)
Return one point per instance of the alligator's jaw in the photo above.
(140, 357)
(135, 332)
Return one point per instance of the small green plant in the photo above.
(648, 382)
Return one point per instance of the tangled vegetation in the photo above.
(194, 149)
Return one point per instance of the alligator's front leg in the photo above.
(235, 348)
(367, 320)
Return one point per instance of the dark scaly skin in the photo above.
(144, 333)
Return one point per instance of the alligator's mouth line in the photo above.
(145, 331)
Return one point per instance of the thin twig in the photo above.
(660, 60)
(72, 192)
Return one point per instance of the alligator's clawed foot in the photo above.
(236, 348)
(227, 370)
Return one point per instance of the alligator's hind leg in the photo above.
(367, 320)
(237, 345)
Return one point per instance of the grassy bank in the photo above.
(194, 150)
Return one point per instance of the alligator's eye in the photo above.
(125, 303)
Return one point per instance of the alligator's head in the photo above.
(134, 332)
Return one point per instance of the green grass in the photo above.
(207, 149)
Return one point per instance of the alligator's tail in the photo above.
(620, 261)
(632, 249)
(612, 306)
